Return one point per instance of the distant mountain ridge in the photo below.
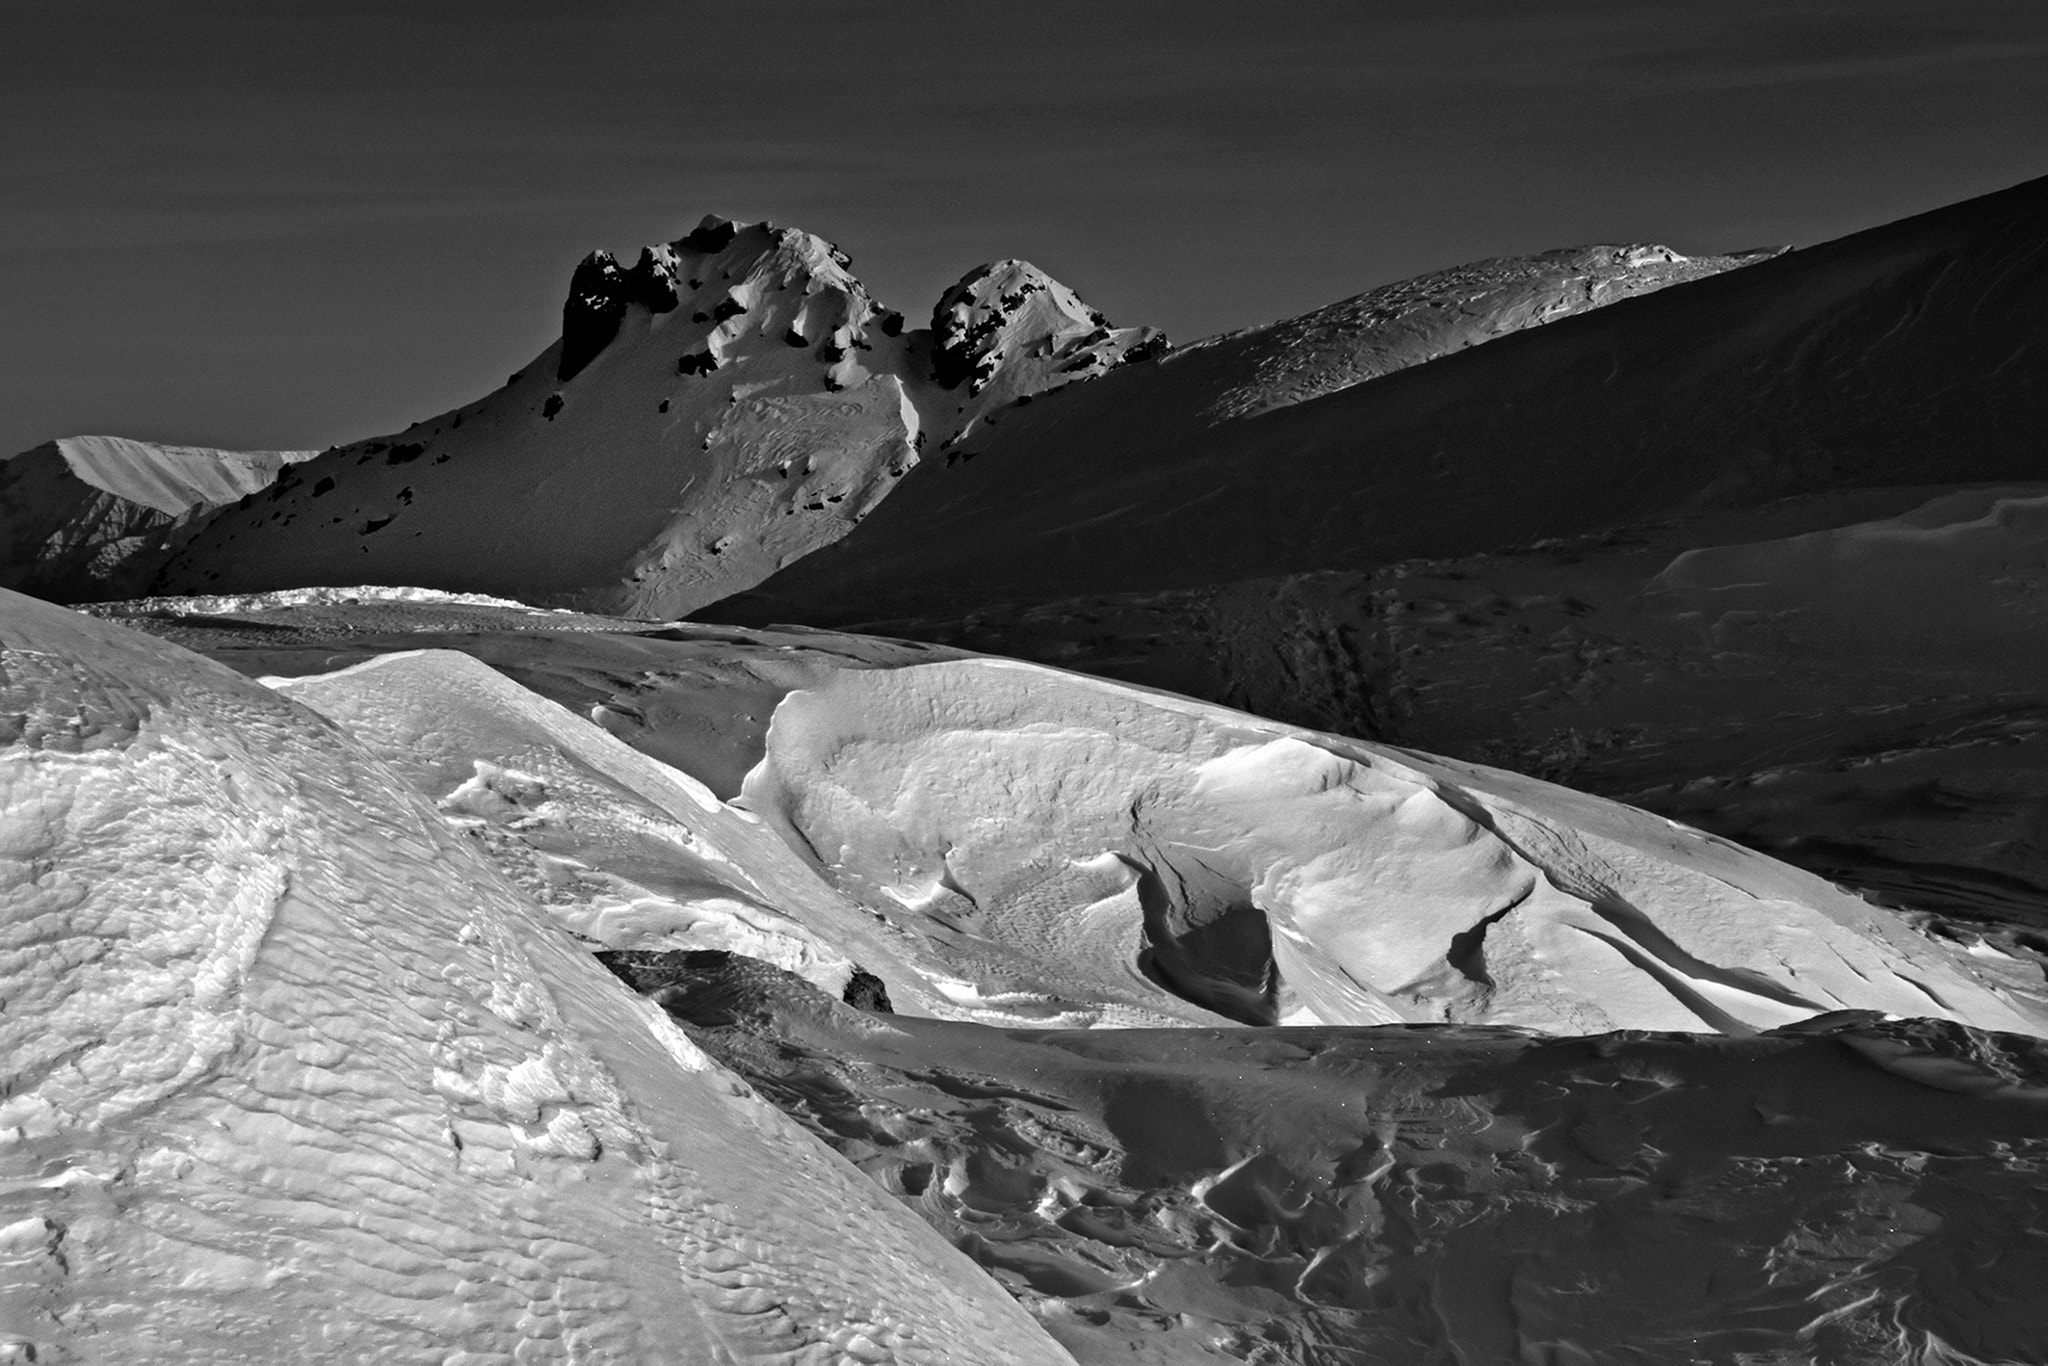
(100, 513)
(734, 400)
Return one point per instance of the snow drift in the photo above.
(1062, 837)
(291, 1072)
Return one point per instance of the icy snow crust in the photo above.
(292, 1073)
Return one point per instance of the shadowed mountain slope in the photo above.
(1910, 353)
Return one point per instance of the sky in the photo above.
(282, 224)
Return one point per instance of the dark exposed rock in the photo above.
(599, 294)
(590, 318)
(867, 992)
(653, 282)
(712, 235)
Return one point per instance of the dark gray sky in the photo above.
(287, 224)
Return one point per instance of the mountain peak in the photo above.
(725, 268)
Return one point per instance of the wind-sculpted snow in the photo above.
(291, 1073)
(623, 851)
(94, 516)
(1090, 849)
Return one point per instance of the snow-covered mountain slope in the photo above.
(94, 516)
(1404, 324)
(1032, 846)
(733, 401)
(1214, 382)
(1905, 354)
(728, 403)
(292, 1073)
(1848, 1192)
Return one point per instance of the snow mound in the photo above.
(291, 1072)
(1098, 845)
(620, 849)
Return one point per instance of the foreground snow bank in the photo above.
(291, 1072)
(1138, 848)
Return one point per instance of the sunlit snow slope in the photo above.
(292, 1073)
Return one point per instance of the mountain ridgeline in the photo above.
(733, 401)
